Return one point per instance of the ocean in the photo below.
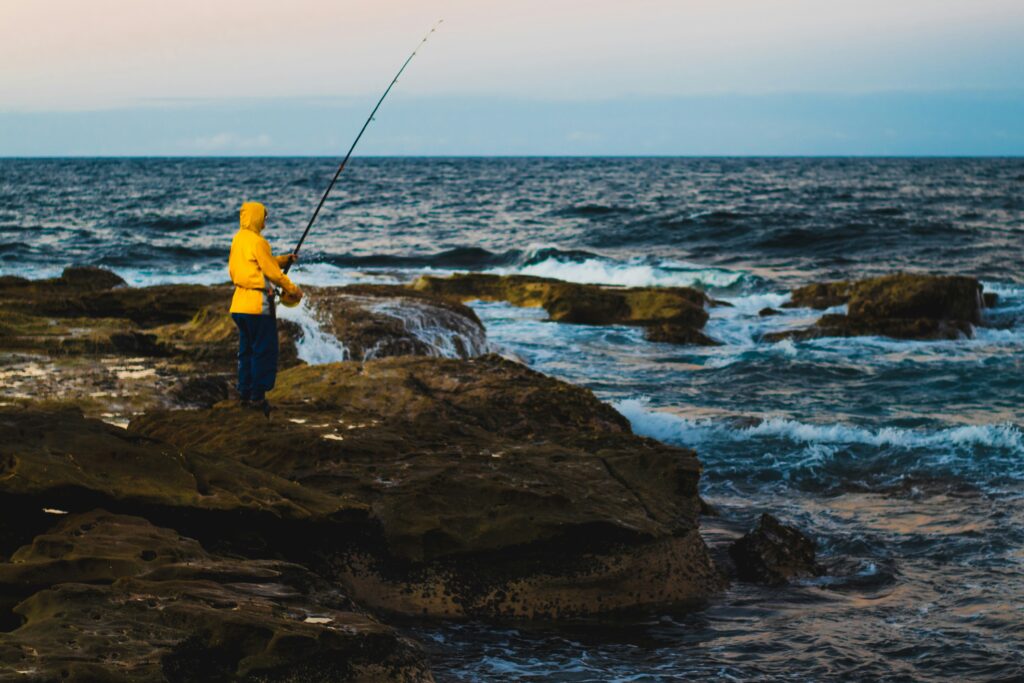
(904, 460)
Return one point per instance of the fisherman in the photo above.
(255, 271)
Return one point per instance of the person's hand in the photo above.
(290, 259)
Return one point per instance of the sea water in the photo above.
(904, 460)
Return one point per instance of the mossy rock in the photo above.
(911, 296)
(499, 492)
(901, 306)
(820, 295)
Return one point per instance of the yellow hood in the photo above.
(253, 216)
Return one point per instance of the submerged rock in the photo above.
(106, 597)
(773, 552)
(674, 314)
(902, 306)
(499, 492)
(679, 334)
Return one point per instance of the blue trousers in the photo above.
(257, 354)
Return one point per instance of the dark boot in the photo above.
(262, 404)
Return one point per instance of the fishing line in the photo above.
(341, 166)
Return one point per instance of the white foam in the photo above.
(147, 277)
(681, 430)
(633, 273)
(318, 274)
(328, 275)
(316, 346)
(1004, 290)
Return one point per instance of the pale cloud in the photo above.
(227, 142)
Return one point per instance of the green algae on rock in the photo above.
(673, 314)
(901, 305)
(105, 597)
(499, 492)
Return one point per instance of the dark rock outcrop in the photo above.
(902, 306)
(674, 314)
(819, 296)
(773, 552)
(499, 492)
(104, 597)
(61, 460)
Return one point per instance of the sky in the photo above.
(223, 77)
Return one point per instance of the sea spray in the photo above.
(315, 346)
(631, 273)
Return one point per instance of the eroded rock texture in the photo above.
(103, 597)
(499, 492)
(378, 321)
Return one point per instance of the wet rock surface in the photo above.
(106, 597)
(88, 339)
(902, 306)
(671, 314)
(378, 321)
(499, 492)
(773, 553)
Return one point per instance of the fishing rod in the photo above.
(341, 166)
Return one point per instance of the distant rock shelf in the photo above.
(668, 314)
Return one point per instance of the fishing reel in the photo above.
(285, 299)
(288, 300)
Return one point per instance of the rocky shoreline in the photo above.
(151, 530)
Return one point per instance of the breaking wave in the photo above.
(685, 431)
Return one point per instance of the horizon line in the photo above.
(211, 157)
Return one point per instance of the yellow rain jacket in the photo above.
(251, 265)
